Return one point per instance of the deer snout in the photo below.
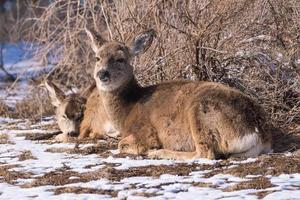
(103, 75)
(73, 134)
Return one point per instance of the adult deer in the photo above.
(175, 120)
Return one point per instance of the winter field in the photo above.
(34, 166)
(37, 168)
(252, 46)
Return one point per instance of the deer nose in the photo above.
(103, 75)
(73, 134)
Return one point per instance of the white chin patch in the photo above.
(106, 87)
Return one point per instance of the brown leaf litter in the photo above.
(26, 155)
(4, 139)
(8, 175)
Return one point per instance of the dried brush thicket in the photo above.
(17, 16)
(251, 45)
(34, 106)
(15, 21)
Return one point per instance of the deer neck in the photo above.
(119, 103)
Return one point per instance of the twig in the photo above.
(106, 21)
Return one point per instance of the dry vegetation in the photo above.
(26, 155)
(34, 106)
(4, 139)
(16, 17)
(250, 45)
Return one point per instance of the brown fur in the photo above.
(70, 109)
(95, 118)
(175, 109)
(184, 120)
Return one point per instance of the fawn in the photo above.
(69, 109)
(79, 112)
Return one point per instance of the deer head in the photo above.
(113, 69)
(69, 108)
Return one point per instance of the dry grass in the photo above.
(34, 106)
(4, 139)
(5, 110)
(62, 176)
(10, 176)
(81, 190)
(16, 18)
(274, 165)
(101, 148)
(26, 155)
(250, 45)
(255, 183)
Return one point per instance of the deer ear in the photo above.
(96, 39)
(56, 94)
(142, 42)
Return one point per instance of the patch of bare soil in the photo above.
(59, 177)
(84, 151)
(81, 190)
(26, 155)
(255, 183)
(101, 148)
(9, 176)
(265, 165)
(40, 136)
(112, 193)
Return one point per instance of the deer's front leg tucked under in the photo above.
(140, 138)
(129, 145)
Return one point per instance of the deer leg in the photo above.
(204, 141)
(169, 154)
(129, 145)
(84, 129)
(140, 143)
(62, 138)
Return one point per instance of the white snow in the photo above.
(22, 66)
(166, 186)
(127, 162)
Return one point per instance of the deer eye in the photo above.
(120, 60)
(65, 116)
(98, 59)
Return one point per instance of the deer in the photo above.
(182, 120)
(69, 110)
(75, 113)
